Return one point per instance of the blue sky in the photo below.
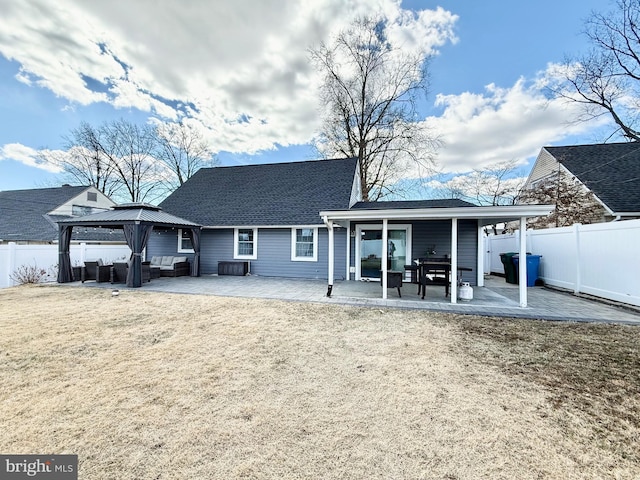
(62, 63)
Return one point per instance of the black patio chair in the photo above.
(95, 270)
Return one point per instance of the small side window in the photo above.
(184, 241)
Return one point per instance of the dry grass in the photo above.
(151, 386)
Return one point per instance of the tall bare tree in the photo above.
(130, 162)
(129, 148)
(184, 151)
(370, 90)
(606, 81)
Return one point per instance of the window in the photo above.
(245, 243)
(304, 244)
(184, 241)
(92, 196)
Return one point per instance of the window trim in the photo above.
(180, 248)
(294, 257)
(236, 235)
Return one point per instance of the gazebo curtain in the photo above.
(64, 259)
(194, 235)
(137, 236)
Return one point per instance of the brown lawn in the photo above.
(157, 386)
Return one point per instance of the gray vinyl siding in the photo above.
(274, 252)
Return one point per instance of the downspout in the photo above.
(330, 275)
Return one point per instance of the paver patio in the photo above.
(497, 298)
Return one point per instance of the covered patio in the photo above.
(137, 220)
(388, 213)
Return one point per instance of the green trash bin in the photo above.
(510, 274)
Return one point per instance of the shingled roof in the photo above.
(24, 215)
(437, 203)
(264, 195)
(610, 170)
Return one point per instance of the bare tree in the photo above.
(184, 151)
(117, 158)
(84, 161)
(129, 148)
(497, 184)
(370, 90)
(573, 202)
(606, 81)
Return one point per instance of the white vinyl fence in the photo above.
(14, 256)
(602, 259)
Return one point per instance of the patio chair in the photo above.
(394, 280)
(118, 273)
(95, 270)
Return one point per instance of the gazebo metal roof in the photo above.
(130, 213)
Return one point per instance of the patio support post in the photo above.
(383, 260)
(348, 274)
(454, 260)
(329, 225)
(522, 263)
(481, 252)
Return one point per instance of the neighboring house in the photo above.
(289, 219)
(610, 171)
(30, 216)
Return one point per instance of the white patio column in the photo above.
(348, 275)
(331, 256)
(383, 262)
(522, 263)
(481, 252)
(454, 260)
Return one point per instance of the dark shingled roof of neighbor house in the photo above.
(610, 170)
(264, 195)
(24, 215)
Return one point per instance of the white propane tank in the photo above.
(465, 292)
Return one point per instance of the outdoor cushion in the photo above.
(179, 259)
(156, 260)
(167, 261)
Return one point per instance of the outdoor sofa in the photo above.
(169, 266)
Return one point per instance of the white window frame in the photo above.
(294, 257)
(180, 248)
(236, 239)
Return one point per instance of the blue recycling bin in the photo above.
(533, 268)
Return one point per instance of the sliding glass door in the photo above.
(369, 250)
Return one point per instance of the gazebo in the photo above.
(137, 220)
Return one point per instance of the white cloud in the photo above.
(502, 124)
(29, 156)
(214, 61)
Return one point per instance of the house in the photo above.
(30, 216)
(610, 171)
(265, 215)
(307, 220)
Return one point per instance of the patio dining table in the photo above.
(434, 273)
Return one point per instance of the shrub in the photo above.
(28, 274)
